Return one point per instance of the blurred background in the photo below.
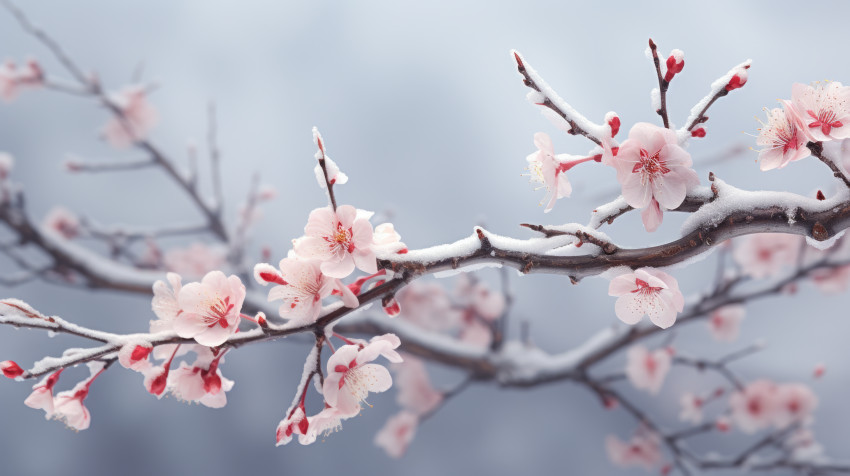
(421, 105)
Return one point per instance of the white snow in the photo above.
(596, 130)
(731, 199)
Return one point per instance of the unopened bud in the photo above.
(675, 64)
(698, 132)
(613, 122)
(737, 81)
(391, 306)
(11, 369)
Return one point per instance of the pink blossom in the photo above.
(201, 382)
(833, 280)
(783, 137)
(691, 408)
(137, 117)
(795, 404)
(386, 241)
(68, 405)
(210, 309)
(62, 222)
(41, 397)
(415, 392)
(156, 378)
(485, 303)
(650, 292)
(397, 433)
(652, 215)
(543, 167)
(428, 306)
(341, 240)
(350, 377)
(647, 370)
(763, 255)
(824, 109)
(134, 355)
(6, 164)
(301, 286)
(642, 450)
(651, 166)
(488, 304)
(295, 424)
(13, 79)
(819, 370)
(755, 407)
(723, 424)
(196, 260)
(725, 322)
(383, 345)
(164, 303)
(475, 332)
(327, 421)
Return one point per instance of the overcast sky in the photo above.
(420, 103)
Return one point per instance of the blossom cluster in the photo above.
(469, 311)
(815, 113)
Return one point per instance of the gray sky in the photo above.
(421, 105)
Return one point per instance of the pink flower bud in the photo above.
(391, 306)
(675, 64)
(135, 355)
(698, 132)
(613, 122)
(11, 369)
(737, 81)
(157, 384)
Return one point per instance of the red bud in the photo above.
(737, 81)
(11, 369)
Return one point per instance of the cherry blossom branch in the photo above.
(734, 213)
(734, 79)
(547, 97)
(500, 326)
(240, 238)
(94, 89)
(49, 42)
(75, 165)
(725, 213)
(329, 184)
(19, 314)
(215, 159)
(582, 235)
(663, 84)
